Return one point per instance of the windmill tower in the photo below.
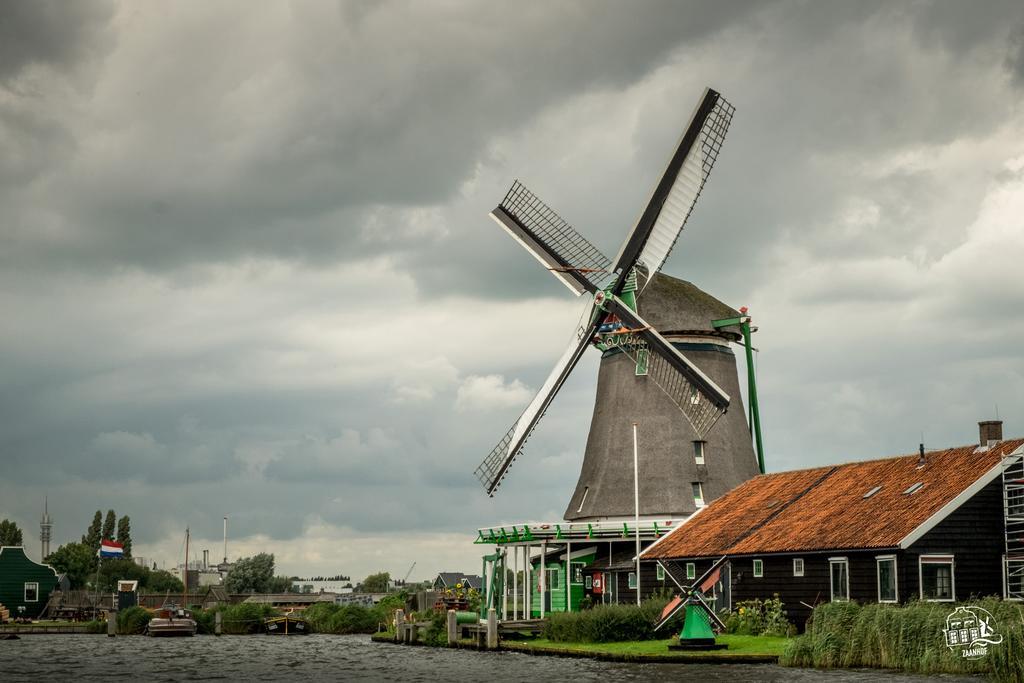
(45, 530)
(666, 357)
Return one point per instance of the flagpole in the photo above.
(636, 511)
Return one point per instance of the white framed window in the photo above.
(798, 566)
(698, 494)
(698, 451)
(552, 579)
(758, 569)
(660, 572)
(31, 591)
(936, 578)
(632, 580)
(839, 578)
(691, 571)
(872, 491)
(886, 570)
(589, 582)
(577, 572)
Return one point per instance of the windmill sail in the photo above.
(567, 254)
(497, 462)
(672, 200)
(694, 393)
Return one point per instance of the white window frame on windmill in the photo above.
(699, 451)
(798, 566)
(698, 494)
(642, 362)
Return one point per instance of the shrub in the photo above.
(240, 619)
(325, 617)
(609, 623)
(756, 617)
(909, 638)
(133, 620)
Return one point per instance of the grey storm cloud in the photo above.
(247, 266)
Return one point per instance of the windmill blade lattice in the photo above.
(673, 199)
(552, 241)
(493, 468)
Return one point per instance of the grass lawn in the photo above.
(748, 648)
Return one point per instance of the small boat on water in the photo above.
(170, 620)
(288, 625)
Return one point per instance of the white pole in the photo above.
(543, 575)
(225, 539)
(568, 576)
(528, 583)
(636, 509)
(515, 582)
(504, 584)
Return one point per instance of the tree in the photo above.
(251, 574)
(77, 560)
(124, 535)
(377, 583)
(280, 584)
(113, 570)
(10, 534)
(108, 526)
(92, 539)
(162, 581)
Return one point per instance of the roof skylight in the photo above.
(914, 488)
(872, 491)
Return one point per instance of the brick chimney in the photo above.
(989, 431)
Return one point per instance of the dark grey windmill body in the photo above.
(665, 366)
(683, 314)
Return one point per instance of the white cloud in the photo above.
(490, 392)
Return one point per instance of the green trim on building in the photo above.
(556, 572)
(17, 575)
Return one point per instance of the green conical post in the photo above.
(696, 627)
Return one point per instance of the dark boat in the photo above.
(288, 625)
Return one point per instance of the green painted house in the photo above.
(24, 583)
(556, 594)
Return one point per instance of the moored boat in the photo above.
(171, 621)
(288, 625)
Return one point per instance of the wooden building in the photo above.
(25, 585)
(928, 526)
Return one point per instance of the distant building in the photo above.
(449, 580)
(24, 583)
(311, 586)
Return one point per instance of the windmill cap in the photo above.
(674, 306)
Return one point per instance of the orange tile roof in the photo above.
(824, 508)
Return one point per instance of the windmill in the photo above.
(615, 325)
(700, 621)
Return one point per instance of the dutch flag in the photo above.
(111, 549)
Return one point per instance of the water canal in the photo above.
(349, 658)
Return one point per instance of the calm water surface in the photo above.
(348, 658)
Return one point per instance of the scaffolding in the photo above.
(1013, 515)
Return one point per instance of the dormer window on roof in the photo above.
(872, 491)
(914, 488)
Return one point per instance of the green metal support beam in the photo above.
(753, 410)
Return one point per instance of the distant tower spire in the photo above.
(45, 529)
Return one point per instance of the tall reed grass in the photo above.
(908, 638)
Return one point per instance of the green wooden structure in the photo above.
(555, 594)
(24, 582)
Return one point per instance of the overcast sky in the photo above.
(247, 269)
